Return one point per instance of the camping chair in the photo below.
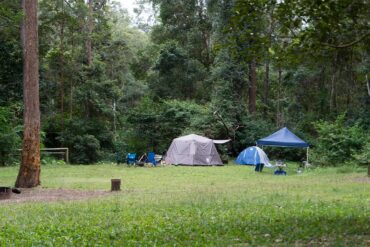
(150, 158)
(131, 159)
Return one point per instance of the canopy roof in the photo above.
(283, 138)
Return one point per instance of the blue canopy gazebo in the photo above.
(283, 138)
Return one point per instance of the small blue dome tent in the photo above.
(253, 156)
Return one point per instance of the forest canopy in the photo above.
(226, 69)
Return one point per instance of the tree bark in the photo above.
(333, 98)
(252, 86)
(266, 82)
(29, 172)
(279, 114)
(62, 68)
(267, 62)
(367, 85)
(90, 26)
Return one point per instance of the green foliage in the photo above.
(86, 140)
(47, 160)
(178, 76)
(363, 157)
(191, 67)
(153, 125)
(338, 142)
(10, 139)
(10, 71)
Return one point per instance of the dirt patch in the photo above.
(52, 195)
(362, 179)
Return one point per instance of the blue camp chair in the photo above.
(131, 158)
(150, 158)
(280, 172)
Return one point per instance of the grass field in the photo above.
(194, 206)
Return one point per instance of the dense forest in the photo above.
(111, 83)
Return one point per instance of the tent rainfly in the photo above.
(283, 138)
(193, 150)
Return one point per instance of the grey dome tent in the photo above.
(193, 150)
(283, 138)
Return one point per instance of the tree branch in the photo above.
(348, 44)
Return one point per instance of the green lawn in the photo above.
(194, 206)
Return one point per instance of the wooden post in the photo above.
(67, 155)
(116, 185)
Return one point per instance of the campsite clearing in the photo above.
(215, 206)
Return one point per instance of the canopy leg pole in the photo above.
(307, 156)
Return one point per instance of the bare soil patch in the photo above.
(362, 179)
(52, 195)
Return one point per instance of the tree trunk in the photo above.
(62, 68)
(367, 85)
(90, 26)
(29, 172)
(279, 114)
(333, 86)
(252, 86)
(266, 83)
(267, 63)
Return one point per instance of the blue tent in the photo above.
(283, 138)
(253, 156)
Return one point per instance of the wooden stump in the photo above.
(368, 170)
(116, 185)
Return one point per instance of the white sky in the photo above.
(128, 4)
(147, 16)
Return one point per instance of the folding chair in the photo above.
(131, 159)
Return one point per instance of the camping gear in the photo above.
(284, 138)
(131, 158)
(280, 168)
(193, 150)
(158, 158)
(150, 158)
(6, 192)
(259, 167)
(221, 141)
(253, 156)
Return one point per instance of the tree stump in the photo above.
(116, 185)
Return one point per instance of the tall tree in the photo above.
(90, 26)
(29, 172)
(248, 36)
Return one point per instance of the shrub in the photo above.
(85, 139)
(10, 139)
(363, 157)
(337, 142)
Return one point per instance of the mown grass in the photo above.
(194, 206)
